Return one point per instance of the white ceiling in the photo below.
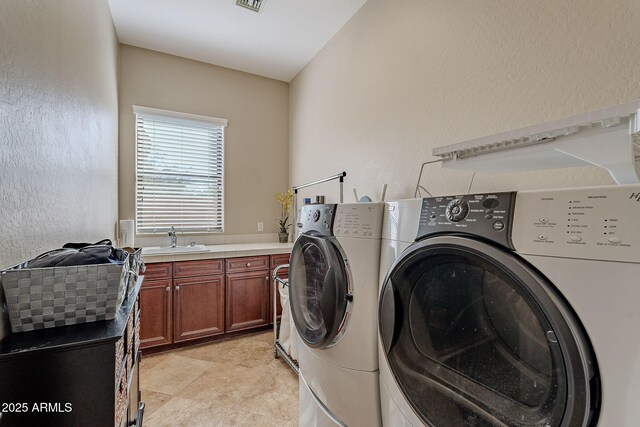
(277, 42)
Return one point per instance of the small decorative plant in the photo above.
(284, 200)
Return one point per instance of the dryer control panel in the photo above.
(484, 215)
(601, 223)
(358, 220)
(318, 218)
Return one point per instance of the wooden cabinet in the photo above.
(279, 259)
(247, 300)
(80, 375)
(198, 307)
(187, 300)
(156, 313)
(188, 307)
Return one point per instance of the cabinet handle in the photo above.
(177, 288)
(248, 264)
(168, 288)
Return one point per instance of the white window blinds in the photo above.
(179, 172)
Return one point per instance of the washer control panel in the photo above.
(358, 220)
(318, 218)
(590, 223)
(485, 215)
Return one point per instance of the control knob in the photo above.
(457, 210)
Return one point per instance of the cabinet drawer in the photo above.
(279, 259)
(160, 270)
(198, 268)
(249, 263)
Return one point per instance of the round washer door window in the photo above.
(319, 290)
(475, 337)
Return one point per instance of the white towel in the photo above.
(287, 336)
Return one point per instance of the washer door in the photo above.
(319, 290)
(474, 336)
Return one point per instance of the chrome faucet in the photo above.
(174, 237)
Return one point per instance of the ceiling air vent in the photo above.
(254, 5)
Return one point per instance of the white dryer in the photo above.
(516, 310)
(333, 277)
(399, 231)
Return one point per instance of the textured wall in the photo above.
(256, 137)
(405, 76)
(58, 125)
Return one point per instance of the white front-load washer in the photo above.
(333, 277)
(516, 310)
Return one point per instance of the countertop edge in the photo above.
(224, 251)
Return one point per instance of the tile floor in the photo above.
(234, 382)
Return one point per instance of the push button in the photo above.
(542, 237)
(576, 238)
(614, 240)
(544, 220)
(498, 225)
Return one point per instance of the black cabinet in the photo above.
(80, 375)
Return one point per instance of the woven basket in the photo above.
(42, 298)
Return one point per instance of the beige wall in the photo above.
(256, 137)
(405, 76)
(58, 126)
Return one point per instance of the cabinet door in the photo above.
(198, 307)
(283, 274)
(247, 300)
(155, 313)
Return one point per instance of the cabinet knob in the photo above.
(266, 278)
(177, 288)
(248, 264)
(168, 288)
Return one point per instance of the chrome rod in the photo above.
(320, 181)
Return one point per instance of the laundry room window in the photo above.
(179, 172)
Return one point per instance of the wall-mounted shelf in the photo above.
(609, 138)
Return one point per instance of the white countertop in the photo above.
(225, 251)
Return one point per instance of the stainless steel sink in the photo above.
(168, 250)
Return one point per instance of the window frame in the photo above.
(187, 117)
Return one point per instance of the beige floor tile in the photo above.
(223, 384)
(249, 354)
(210, 352)
(153, 400)
(240, 417)
(275, 397)
(227, 383)
(173, 374)
(150, 361)
(180, 412)
(265, 337)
